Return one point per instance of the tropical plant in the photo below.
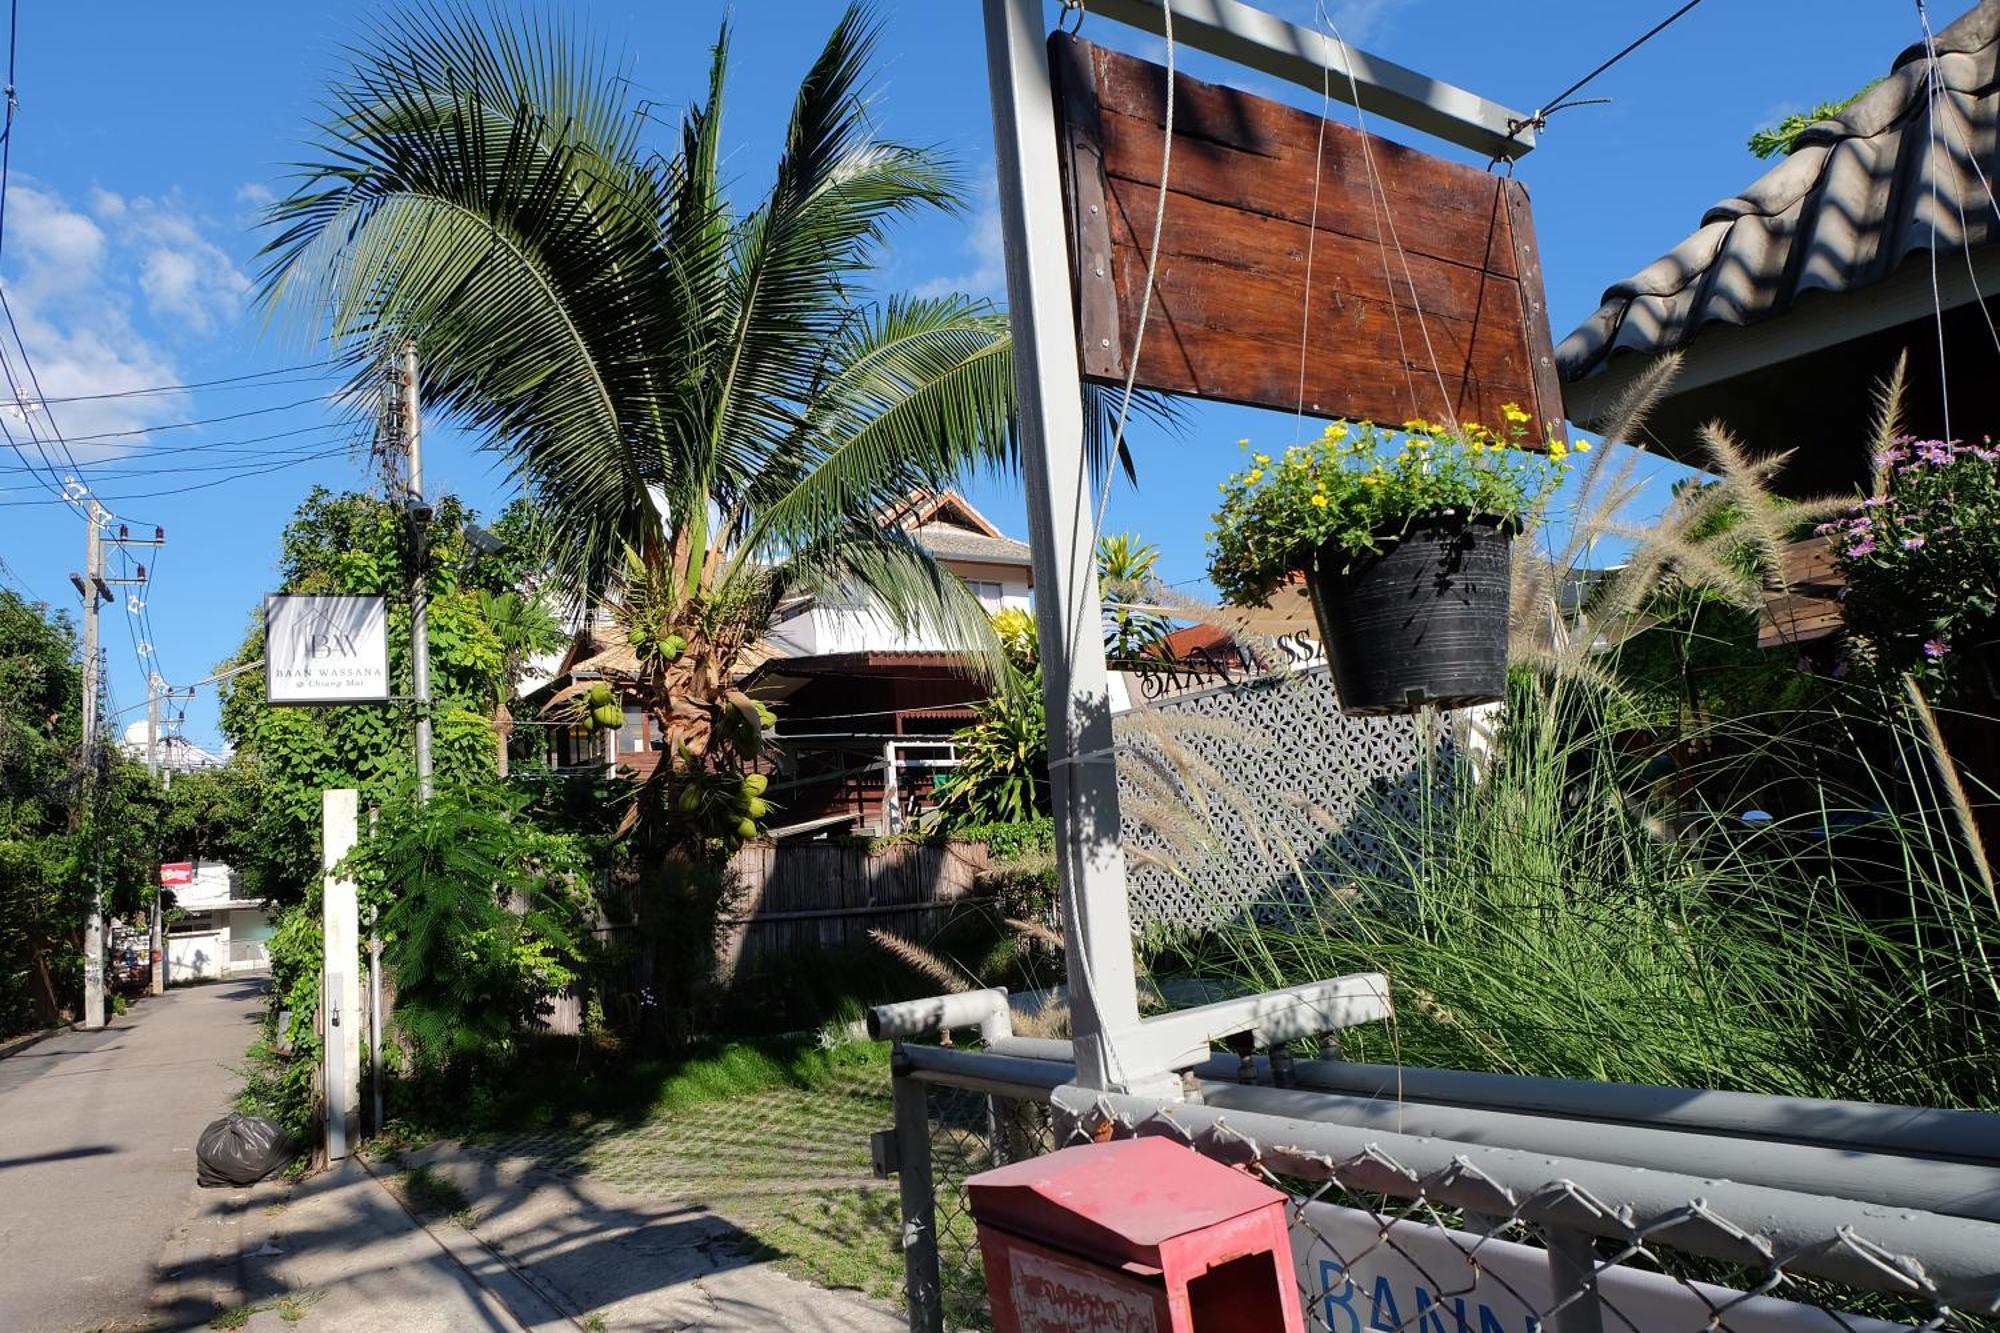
(708, 417)
(1782, 139)
(1347, 490)
(67, 827)
(1002, 775)
(481, 915)
(526, 628)
(1128, 581)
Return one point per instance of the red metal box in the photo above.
(1139, 1236)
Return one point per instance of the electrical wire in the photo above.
(117, 470)
(199, 421)
(241, 475)
(1538, 119)
(256, 379)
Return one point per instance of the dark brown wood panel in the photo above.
(1426, 293)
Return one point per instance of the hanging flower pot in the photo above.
(1404, 539)
(1421, 622)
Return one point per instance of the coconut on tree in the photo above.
(708, 413)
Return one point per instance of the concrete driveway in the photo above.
(97, 1133)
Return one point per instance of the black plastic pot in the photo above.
(1421, 624)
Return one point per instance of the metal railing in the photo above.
(1482, 1231)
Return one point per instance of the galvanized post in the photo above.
(1573, 1278)
(919, 1201)
(1097, 927)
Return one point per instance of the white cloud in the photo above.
(185, 276)
(986, 271)
(254, 194)
(77, 286)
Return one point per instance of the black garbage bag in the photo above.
(240, 1150)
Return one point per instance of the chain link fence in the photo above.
(1443, 1245)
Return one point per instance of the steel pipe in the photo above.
(1969, 1136)
(1951, 1260)
(1884, 1178)
(983, 1009)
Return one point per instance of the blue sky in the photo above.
(149, 135)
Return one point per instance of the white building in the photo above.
(221, 932)
(174, 752)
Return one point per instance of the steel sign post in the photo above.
(1097, 923)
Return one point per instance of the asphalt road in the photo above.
(97, 1133)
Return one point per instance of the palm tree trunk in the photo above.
(503, 735)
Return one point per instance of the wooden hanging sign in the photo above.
(1451, 242)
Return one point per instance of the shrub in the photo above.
(479, 918)
(1922, 559)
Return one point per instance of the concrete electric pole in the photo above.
(95, 588)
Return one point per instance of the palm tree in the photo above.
(708, 415)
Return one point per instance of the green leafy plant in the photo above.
(1003, 762)
(1128, 580)
(707, 417)
(1921, 557)
(1782, 139)
(480, 913)
(1348, 489)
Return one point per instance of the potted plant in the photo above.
(1404, 539)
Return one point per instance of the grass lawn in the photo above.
(771, 1136)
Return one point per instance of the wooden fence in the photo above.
(800, 895)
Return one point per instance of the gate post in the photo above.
(340, 976)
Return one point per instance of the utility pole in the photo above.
(420, 515)
(156, 946)
(93, 589)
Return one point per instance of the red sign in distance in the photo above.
(177, 873)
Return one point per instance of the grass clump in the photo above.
(298, 1305)
(429, 1193)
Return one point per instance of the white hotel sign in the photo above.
(326, 650)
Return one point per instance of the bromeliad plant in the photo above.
(1922, 557)
(1359, 487)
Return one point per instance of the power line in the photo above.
(25, 404)
(256, 379)
(1538, 119)
(111, 471)
(183, 490)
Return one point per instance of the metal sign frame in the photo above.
(1114, 1049)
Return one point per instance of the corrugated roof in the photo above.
(1860, 194)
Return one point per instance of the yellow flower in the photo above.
(1319, 501)
(1558, 450)
(1513, 413)
(1260, 459)
(1255, 475)
(1582, 446)
(1370, 479)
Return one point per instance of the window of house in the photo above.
(632, 734)
(985, 590)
